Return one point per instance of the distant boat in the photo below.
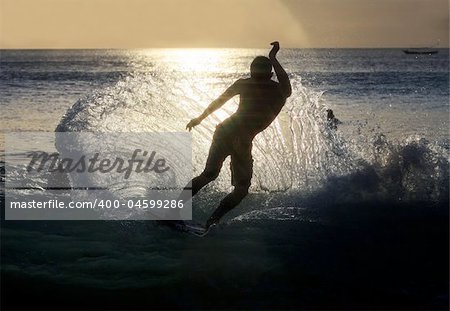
(426, 51)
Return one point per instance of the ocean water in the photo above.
(350, 218)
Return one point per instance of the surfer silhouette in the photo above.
(261, 100)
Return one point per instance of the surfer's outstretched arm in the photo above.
(282, 76)
(232, 91)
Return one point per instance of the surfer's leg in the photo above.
(212, 169)
(228, 203)
(241, 172)
(218, 151)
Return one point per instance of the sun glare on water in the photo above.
(200, 75)
(196, 63)
(196, 60)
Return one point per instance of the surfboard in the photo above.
(187, 226)
(195, 228)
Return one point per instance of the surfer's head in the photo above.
(261, 68)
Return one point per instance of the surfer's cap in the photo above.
(261, 67)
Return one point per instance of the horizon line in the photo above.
(213, 48)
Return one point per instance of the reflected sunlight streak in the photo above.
(203, 61)
(195, 60)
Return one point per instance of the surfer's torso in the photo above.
(260, 103)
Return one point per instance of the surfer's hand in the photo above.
(192, 123)
(275, 49)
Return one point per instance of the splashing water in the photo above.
(298, 153)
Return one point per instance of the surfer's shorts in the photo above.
(237, 145)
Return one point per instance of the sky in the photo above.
(223, 23)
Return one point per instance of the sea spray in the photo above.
(298, 155)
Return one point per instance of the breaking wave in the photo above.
(298, 159)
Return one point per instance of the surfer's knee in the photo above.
(211, 174)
